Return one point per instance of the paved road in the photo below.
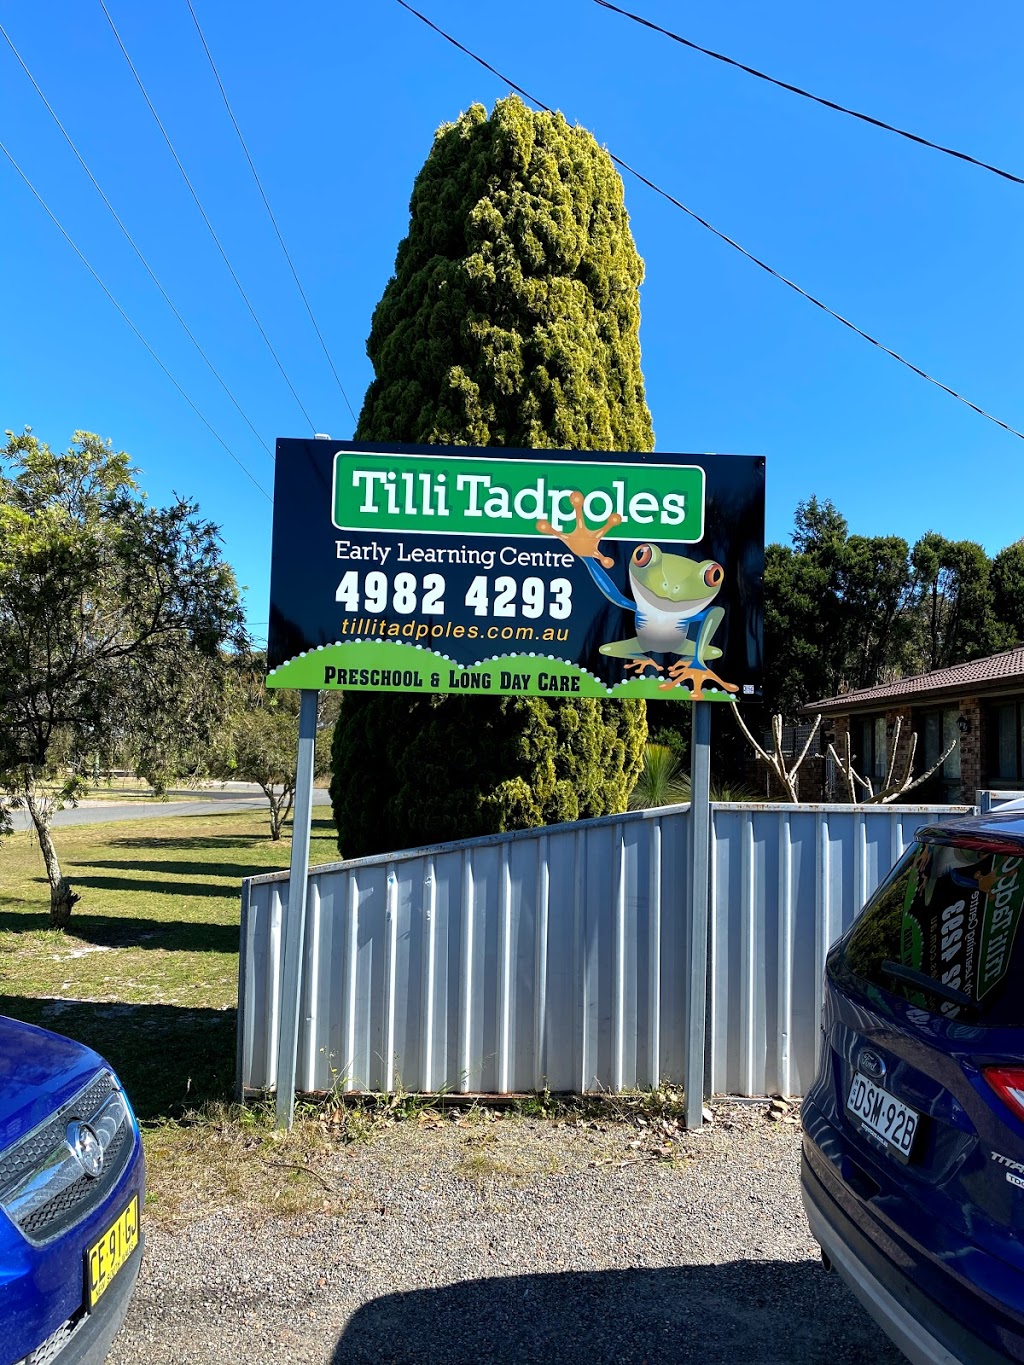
(234, 797)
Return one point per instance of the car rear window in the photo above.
(948, 915)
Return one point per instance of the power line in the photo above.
(60, 228)
(722, 237)
(131, 241)
(205, 217)
(266, 204)
(808, 95)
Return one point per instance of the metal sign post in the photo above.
(700, 885)
(291, 976)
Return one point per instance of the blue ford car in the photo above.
(913, 1148)
(71, 1195)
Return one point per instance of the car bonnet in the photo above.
(38, 1072)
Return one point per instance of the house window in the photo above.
(870, 749)
(937, 730)
(1006, 730)
(878, 751)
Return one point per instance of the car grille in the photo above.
(36, 1146)
(46, 1189)
(50, 1350)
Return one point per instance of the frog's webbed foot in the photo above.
(698, 676)
(641, 664)
(582, 541)
(633, 655)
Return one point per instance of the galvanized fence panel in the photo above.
(557, 957)
(788, 881)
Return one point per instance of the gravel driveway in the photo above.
(469, 1239)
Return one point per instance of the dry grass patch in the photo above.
(233, 1154)
(499, 1148)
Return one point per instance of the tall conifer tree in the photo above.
(512, 320)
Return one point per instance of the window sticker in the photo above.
(961, 915)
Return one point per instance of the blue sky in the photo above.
(338, 104)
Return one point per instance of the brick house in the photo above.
(980, 704)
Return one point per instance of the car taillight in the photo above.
(1008, 1083)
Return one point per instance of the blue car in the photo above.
(72, 1185)
(913, 1132)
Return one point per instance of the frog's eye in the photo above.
(713, 575)
(642, 556)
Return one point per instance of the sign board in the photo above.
(515, 572)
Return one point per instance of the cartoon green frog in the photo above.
(670, 595)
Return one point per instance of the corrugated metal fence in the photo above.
(557, 957)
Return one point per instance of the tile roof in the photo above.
(979, 675)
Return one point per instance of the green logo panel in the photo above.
(464, 495)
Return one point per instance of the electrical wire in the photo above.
(808, 95)
(204, 215)
(60, 228)
(266, 205)
(132, 243)
(722, 237)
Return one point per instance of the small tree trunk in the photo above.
(280, 806)
(276, 814)
(285, 803)
(62, 898)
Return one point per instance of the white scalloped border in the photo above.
(492, 659)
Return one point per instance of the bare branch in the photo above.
(885, 797)
(850, 774)
(743, 726)
(891, 770)
(803, 752)
(776, 762)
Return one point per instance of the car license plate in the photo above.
(883, 1114)
(106, 1257)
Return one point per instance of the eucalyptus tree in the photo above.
(114, 620)
(957, 610)
(258, 738)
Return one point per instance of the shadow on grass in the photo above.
(171, 1059)
(24, 921)
(148, 888)
(115, 931)
(9, 902)
(784, 1312)
(234, 871)
(188, 843)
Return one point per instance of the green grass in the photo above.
(147, 973)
